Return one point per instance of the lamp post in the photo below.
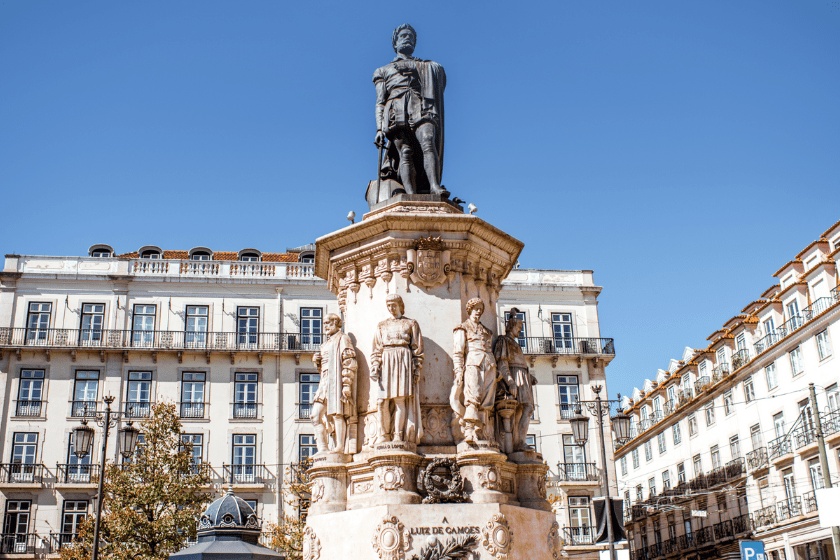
(580, 431)
(82, 441)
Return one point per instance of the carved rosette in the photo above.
(554, 540)
(497, 538)
(311, 545)
(391, 540)
(488, 478)
(317, 491)
(390, 478)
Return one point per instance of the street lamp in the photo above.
(580, 432)
(83, 440)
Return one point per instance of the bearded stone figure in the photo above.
(514, 373)
(396, 361)
(474, 390)
(335, 400)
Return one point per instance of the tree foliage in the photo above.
(152, 502)
(286, 536)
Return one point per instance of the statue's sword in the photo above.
(379, 169)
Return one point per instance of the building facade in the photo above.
(724, 441)
(229, 337)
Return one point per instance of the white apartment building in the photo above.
(724, 444)
(229, 338)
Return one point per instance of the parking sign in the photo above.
(752, 550)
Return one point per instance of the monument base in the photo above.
(404, 531)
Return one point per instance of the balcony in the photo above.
(246, 411)
(720, 372)
(28, 409)
(640, 554)
(579, 536)
(304, 411)
(766, 342)
(671, 546)
(686, 542)
(735, 468)
(81, 409)
(220, 269)
(830, 421)
(203, 469)
(701, 384)
(704, 536)
(818, 306)
(779, 447)
(723, 530)
(757, 459)
(78, 339)
(790, 326)
(137, 409)
(802, 436)
(765, 516)
(654, 550)
(246, 474)
(19, 543)
(809, 502)
(742, 524)
(21, 473)
(740, 358)
(77, 473)
(60, 540)
(192, 409)
(571, 346)
(577, 472)
(791, 507)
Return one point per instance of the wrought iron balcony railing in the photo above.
(765, 516)
(723, 530)
(19, 543)
(577, 472)
(567, 345)
(60, 540)
(817, 306)
(137, 409)
(720, 372)
(28, 408)
(757, 458)
(830, 422)
(766, 342)
(809, 502)
(742, 524)
(80, 409)
(686, 541)
(701, 384)
(577, 536)
(735, 468)
(670, 546)
(791, 507)
(247, 410)
(704, 535)
(193, 409)
(246, 474)
(304, 411)
(654, 550)
(740, 358)
(779, 447)
(803, 435)
(78, 473)
(21, 473)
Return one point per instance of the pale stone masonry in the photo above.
(724, 443)
(231, 343)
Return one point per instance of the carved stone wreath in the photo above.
(311, 545)
(391, 478)
(442, 482)
(488, 477)
(391, 540)
(497, 538)
(554, 540)
(317, 491)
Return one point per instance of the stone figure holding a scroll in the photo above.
(396, 361)
(335, 400)
(514, 373)
(409, 113)
(474, 391)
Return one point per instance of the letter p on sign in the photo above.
(752, 550)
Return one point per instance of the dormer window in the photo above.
(201, 254)
(101, 251)
(307, 257)
(150, 254)
(249, 257)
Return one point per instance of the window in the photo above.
(72, 514)
(531, 440)
(651, 487)
(639, 493)
(677, 435)
(660, 440)
(741, 342)
(833, 396)
(93, 320)
(16, 526)
(635, 454)
(30, 392)
(657, 409)
(734, 447)
(574, 457)
(749, 392)
(815, 472)
(623, 466)
(196, 326)
(38, 323)
(249, 257)
(245, 395)
(568, 392)
(698, 465)
(789, 483)
(681, 472)
(710, 413)
(247, 325)
(522, 339)
(139, 394)
(84, 393)
(721, 356)
(779, 424)
(192, 394)
(244, 458)
(141, 444)
(792, 310)
(648, 451)
(796, 361)
(200, 256)
(194, 443)
(692, 425)
(307, 447)
(308, 257)
(666, 480)
(770, 375)
(580, 530)
(715, 453)
(308, 388)
(806, 413)
(755, 436)
(627, 500)
(561, 329)
(672, 397)
(143, 325)
(24, 453)
(823, 347)
(150, 254)
(702, 368)
(311, 325)
(769, 327)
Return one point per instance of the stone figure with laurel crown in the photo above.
(335, 400)
(396, 362)
(474, 390)
(514, 373)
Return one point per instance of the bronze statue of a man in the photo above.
(409, 113)
(335, 400)
(514, 372)
(396, 361)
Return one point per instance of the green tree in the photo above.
(151, 502)
(286, 535)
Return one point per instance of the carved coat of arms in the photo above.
(430, 261)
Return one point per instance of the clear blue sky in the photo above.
(683, 150)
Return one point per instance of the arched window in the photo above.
(150, 252)
(307, 257)
(250, 255)
(101, 251)
(201, 254)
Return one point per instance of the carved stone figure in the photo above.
(396, 361)
(474, 390)
(409, 113)
(514, 373)
(335, 400)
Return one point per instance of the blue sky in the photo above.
(683, 150)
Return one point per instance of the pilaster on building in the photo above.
(724, 443)
(229, 338)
